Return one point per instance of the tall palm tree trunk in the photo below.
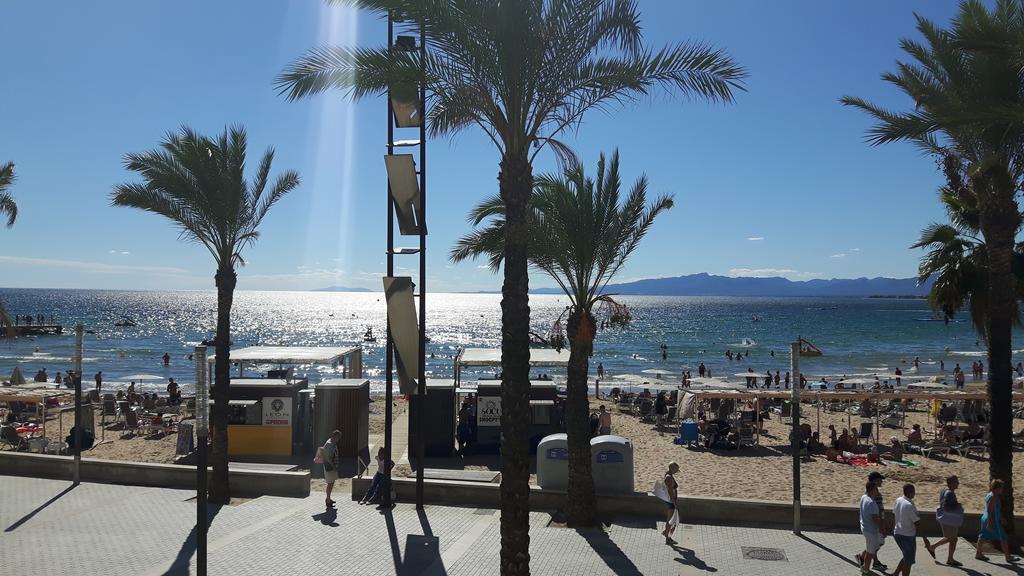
(581, 505)
(516, 183)
(999, 223)
(220, 492)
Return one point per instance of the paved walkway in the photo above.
(50, 528)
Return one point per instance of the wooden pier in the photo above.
(37, 329)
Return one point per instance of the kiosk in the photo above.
(270, 417)
(439, 433)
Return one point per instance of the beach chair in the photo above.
(109, 409)
(190, 407)
(892, 420)
(928, 448)
(746, 436)
(131, 422)
(867, 429)
(646, 410)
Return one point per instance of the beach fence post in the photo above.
(796, 435)
(202, 432)
(76, 475)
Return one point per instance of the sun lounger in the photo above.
(131, 422)
(892, 419)
(10, 437)
(866, 431)
(926, 450)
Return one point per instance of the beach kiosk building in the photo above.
(271, 413)
(544, 419)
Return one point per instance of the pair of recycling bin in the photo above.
(611, 462)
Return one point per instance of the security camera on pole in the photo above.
(202, 433)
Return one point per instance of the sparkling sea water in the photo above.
(857, 335)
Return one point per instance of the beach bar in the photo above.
(271, 414)
(544, 418)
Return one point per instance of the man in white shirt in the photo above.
(870, 527)
(905, 531)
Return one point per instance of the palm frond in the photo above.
(8, 206)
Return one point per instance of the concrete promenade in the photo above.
(51, 528)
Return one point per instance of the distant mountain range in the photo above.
(341, 289)
(710, 285)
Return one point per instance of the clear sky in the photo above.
(779, 183)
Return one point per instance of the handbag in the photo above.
(661, 491)
(943, 516)
(318, 458)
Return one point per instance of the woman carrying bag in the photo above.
(950, 516)
(328, 456)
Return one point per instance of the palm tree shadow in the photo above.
(609, 551)
(29, 516)
(689, 558)
(180, 566)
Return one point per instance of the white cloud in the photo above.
(96, 267)
(839, 255)
(755, 238)
(121, 252)
(854, 249)
(771, 272)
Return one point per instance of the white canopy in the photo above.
(492, 357)
(289, 354)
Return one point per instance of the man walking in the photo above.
(876, 478)
(905, 530)
(870, 527)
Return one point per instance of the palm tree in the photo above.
(968, 104)
(581, 236)
(9, 207)
(523, 72)
(198, 183)
(957, 257)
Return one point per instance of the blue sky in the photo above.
(779, 183)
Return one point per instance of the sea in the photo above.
(856, 335)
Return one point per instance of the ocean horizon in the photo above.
(856, 334)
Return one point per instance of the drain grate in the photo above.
(483, 512)
(769, 554)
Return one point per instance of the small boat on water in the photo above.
(368, 335)
(808, 349)
(125, 323)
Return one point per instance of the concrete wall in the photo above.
(245, 483)
(692, 509)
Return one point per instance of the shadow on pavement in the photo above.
(29, 516)
(396, 553)
(424, 523)
(422, 556)
(327, 518)
(839, 555)
(609, 551)
(689, 558)
(180, 566)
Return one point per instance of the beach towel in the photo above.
(904, 463)
(862, 462)
(673, 522)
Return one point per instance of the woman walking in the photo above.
(992, 523)
(950, 516)
(329, 455)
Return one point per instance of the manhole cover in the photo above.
(770, 554)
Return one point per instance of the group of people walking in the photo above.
(904, 529)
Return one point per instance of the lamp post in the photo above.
(202, 432)
(76, 470)
(796, 436)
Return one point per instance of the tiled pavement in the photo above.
(114, 530)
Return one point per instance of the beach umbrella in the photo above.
(16, 377)
(143, 377)
(659, 372)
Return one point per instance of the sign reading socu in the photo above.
(488, 411)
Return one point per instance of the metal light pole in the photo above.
(76, 469)
(202, 431)
(796, 436)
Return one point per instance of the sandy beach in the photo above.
(764, 472)
(760, 472)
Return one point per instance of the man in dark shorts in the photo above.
(673, 494)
